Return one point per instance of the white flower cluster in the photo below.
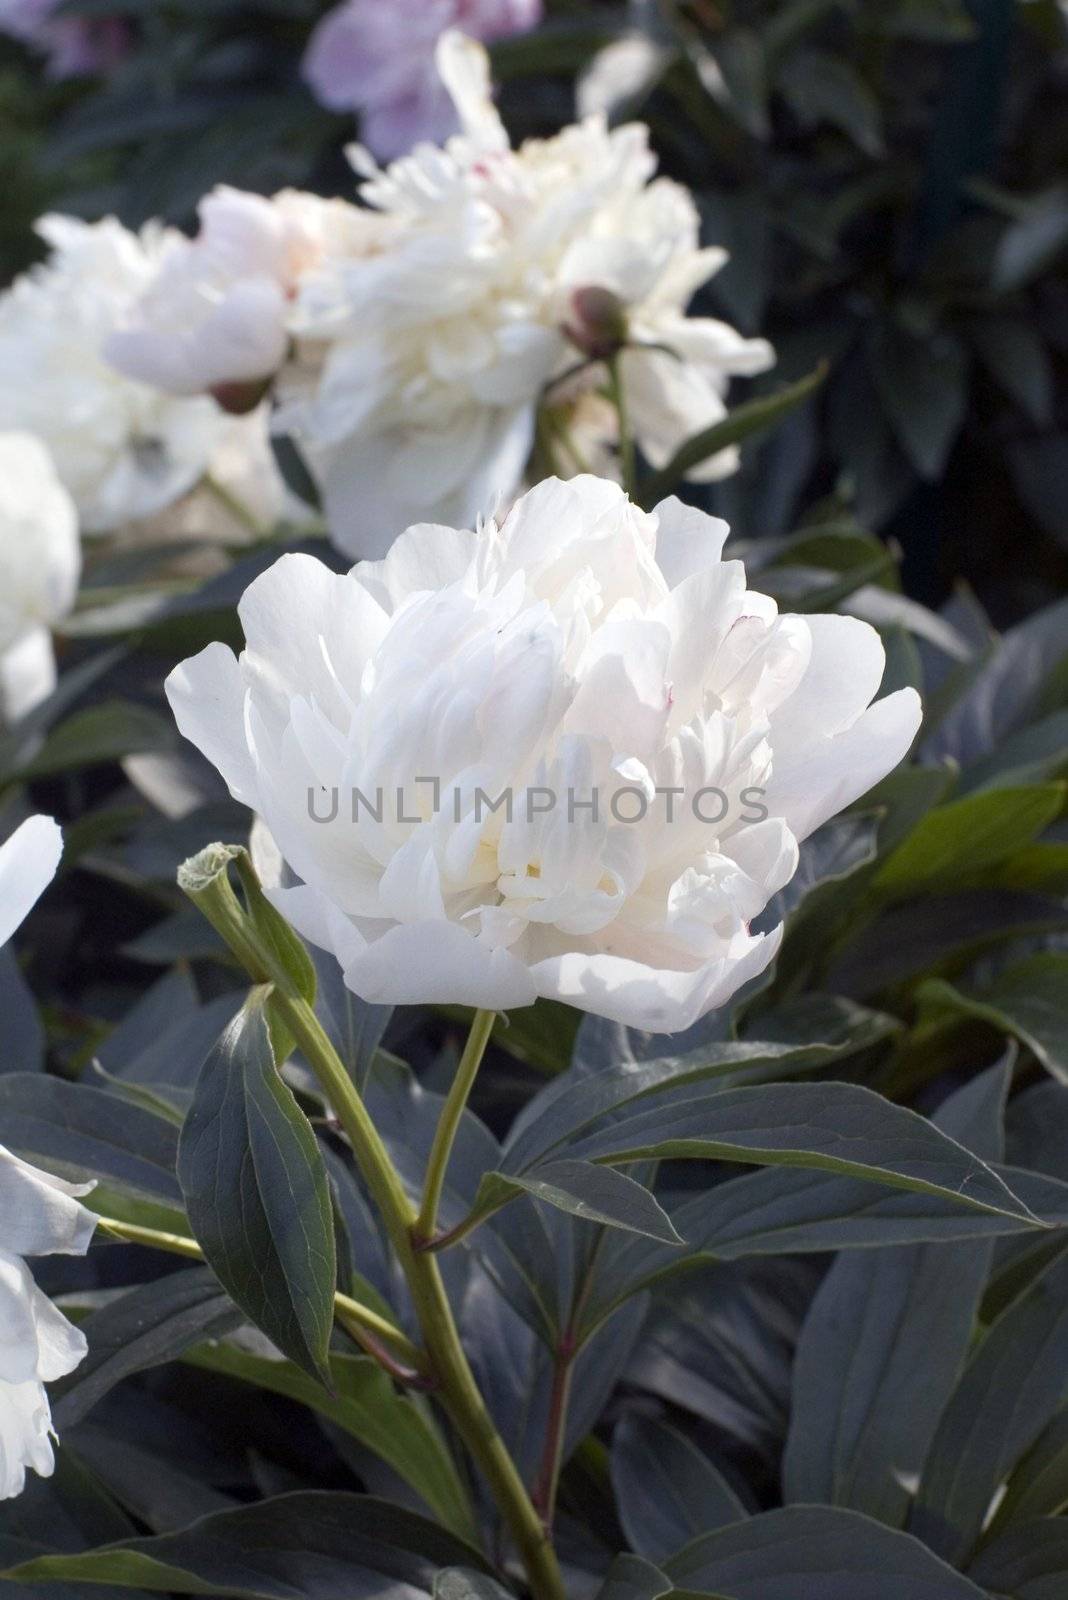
(438, 745)
(125, 450)
(39, 1215)
(414, 338)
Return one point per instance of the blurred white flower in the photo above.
(215, 316)
(377, 57)
(40, 564)
(39, 1216)
(438, 347)
(584, 652)
(73, 46)
(124, 450)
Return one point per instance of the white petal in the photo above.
(687, 540)
(18, 1325)
(651, 998)
(25, 1436)
(27, 674)
(815, 782)
(439, 963)
(207, 695)
(28, 863)
(40, 1214)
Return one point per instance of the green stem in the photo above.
(627, 458)
(456, 1383)
(426, 1223)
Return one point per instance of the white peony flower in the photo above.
(39, 1216)
(40, 564)
(123, 450)
(439, 346)
(665, 736)
(216, 315)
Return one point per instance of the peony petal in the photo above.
(439, 963)
(28, 863)
(25, 1435)
(207, 695)
(40, 1214)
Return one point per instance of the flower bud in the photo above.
(598, 324)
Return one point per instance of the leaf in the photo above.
(968, 836)
(599, 1194)
(881, 1348)
(100, 734)
(145, 1327)
(79, 1132)
(257, 1195)
(743, 422)
(922, 383)
(1003, 696)
(356, 1028)
(24, 1037)
(1012, 350)
(363, 1401)
(456, 1583)
(666, 1489)
(1015, 1382)
(832, 1127)
(316, 1545)
(1039, 1485)
(1029, 1562)
(632, 1578)
(821, 88)
(1032, 243)
(816, 1553)
(1027, 1001)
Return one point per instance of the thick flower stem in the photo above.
(445, 1134)
(456, 1386)
(627, 458)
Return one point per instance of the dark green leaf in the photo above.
(816, 1553)
(881, 1348)
(967, 836)
(257, 1195)
(320, 1546)
(1029, 1562)
(922, 383)
(667, 1490)
(599, 1194)
(832, 1127)
(145, 1327)
(1016, 1381)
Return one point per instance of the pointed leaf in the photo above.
(667, 1491)
(598, 1194)
(257, 1195)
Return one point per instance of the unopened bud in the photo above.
(242, 396)
(598, 323)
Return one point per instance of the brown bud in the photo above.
(242, 396)
(598, 323)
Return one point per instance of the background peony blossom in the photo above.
(28, 862)
(40, 564)
(123, 450)
(74, 46)
(377, 57)
(582, 645)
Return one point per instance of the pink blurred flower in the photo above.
(377, 57)
(74, 46)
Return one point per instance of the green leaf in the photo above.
(922, 383)
(1034, 242)
(257, 1195)
(455, 1583)
(317, 1545)
(832, 1127)
(967, 837)
(598, 1194)
(79, 1132)
(882, 1345)
(1012, 350)
(633, 1578)
(822, 88)
(1029, 1562)
(1016, 1381)
(1039, 1485)
(145, 1327)
(816, 1553)
(100, 734)
(1027, 1001)
(362, 1400)
(743, 422)
(667, 1490)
